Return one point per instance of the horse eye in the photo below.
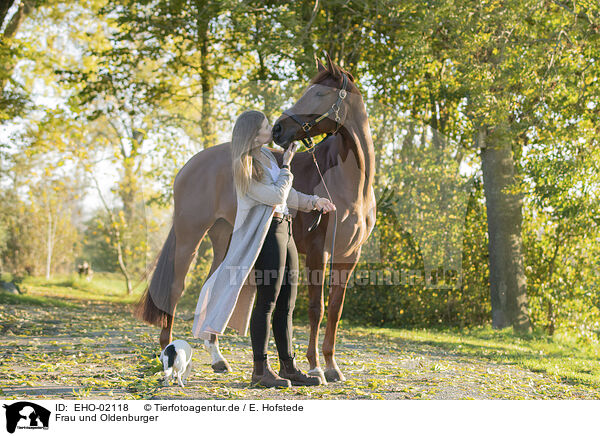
(321, 94)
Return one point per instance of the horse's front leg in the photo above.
(219, 363)
(341, 275)
(316, 307)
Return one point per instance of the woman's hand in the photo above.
(325, 205)
(289, 154)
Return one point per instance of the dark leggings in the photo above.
(276, 270)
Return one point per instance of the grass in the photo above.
(561, 357)
(32, 300)
(103, 287)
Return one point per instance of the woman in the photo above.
(262, 237)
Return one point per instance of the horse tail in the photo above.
(158, 292)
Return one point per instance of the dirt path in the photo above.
(99, 351)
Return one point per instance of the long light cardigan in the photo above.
(227, 296)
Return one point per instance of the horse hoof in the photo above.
(221, 367)
(319, 373)
(334, 375)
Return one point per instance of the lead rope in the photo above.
(314, 225)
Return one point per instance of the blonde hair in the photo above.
(246, 166)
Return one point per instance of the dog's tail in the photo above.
(156, 306)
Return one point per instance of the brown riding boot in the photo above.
(289, 371)
(264, 376)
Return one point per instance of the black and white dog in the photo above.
(177, 361)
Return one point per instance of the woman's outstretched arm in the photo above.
(300, 201)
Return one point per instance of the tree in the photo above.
(13, 99)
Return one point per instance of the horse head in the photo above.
(322, 108)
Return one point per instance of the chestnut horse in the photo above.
(205, 202)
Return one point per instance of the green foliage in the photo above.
(38, 233)
(98, 249)
(409, 302)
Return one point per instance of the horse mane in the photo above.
(322, 75)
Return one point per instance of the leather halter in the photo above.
(335, 109)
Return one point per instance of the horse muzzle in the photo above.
(282, 137)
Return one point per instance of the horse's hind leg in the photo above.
(165, 333)
(186, 244)
(220, 236)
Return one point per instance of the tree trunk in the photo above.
(206, 79)
(504, 215)
(128, 189)
(121, 261)
(114, 230)
(308, 11)
(4, 7)
(49, 245)
(551, 313)
(16, 20)
(9, 32)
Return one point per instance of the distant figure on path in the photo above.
(84, 269)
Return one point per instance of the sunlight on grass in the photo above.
(102, 287)
(559, 356)
(32, 300)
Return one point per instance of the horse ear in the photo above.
(320, 66)
(331, 66)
